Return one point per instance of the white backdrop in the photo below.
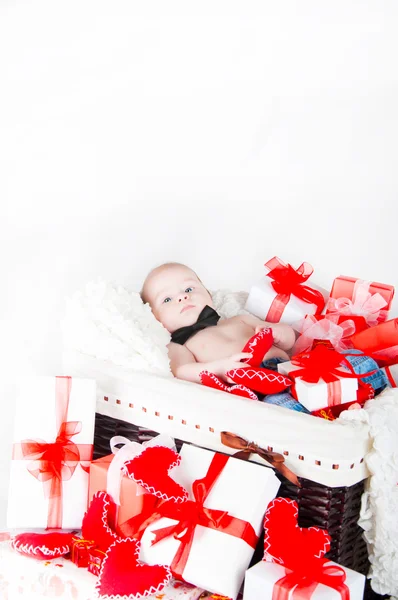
(215, 133)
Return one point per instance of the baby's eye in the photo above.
(168, 299)
(188, 290)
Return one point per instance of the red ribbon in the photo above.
(304, 579)
(288, 281)
(191, 513)
(55, 462)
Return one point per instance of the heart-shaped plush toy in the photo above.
(43, 545)
(259, 345)
(151, 468)
(211, 380)
(95, 524)
(284, 539)
(124, 577)
(264, 381)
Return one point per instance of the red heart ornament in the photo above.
(284, 539)
(43, 545)
(95, 524)
(151, 468)
(211, 380)
(259, 345)
(264, 381)
(124, 577)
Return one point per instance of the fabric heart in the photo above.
(211, 380)
(95, 525)
(284, 540)
(43, 545)
(259, 345)
(151, 470)
(264, 381)
(124, 577)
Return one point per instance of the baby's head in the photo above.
(176, 295)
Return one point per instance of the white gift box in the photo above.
(392, 375)
(42, 405)
(262, 294)
(217, 561)
(319, 395)
(261, 578)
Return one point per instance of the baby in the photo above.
(177, 298)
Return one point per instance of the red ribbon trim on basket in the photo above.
(191, 513)
(304, 580)
(288, 281)
(55, 462)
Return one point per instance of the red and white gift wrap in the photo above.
(351, 296)
(317, 395)
(271, 581)
(392, 375)
(381, 342)
(52, 450)
(283, 296)
(328, 328)
(211, 539)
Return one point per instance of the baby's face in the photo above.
(176, 296)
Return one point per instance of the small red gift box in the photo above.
(95, 558)
(351, 296)
(79, 551)
(381, 342)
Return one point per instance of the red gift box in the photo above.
(95, 558)
(79, 551)
(351, 296)
(381, 342)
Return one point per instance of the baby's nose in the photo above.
(183, 297)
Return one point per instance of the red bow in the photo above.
(288, 281)
(323, 363)
(55, 462)
(304, 581)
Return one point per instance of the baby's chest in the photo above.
(219, 341)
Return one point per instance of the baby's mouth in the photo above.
(187, 307)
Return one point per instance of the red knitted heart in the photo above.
(95, 522)
(211, 380)
(284, 538)
(259, 345)
(264, 381)
(43, 545)
(151, 468)
(123, 576)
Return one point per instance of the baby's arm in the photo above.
(284, 336)
(184, 366)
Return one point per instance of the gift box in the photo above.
(270, 580)
(318, 328)
(392, 375)
(26, 577)
(209, 539)
(282, 296)
(80, 551)
(351, 296)
(319, 394)
(380, 341)
(95, 558)
(52, 450)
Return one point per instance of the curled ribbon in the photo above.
(128, 451)
(288, 281)
(312, 329)
(191, 513)
(246, 448)
(54, 462)
(363, 304)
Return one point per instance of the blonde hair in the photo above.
(157, 270)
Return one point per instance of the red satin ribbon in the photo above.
(288, 281)
(191, 513)
(304, 579)
(55, 462)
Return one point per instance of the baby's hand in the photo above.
(223, 365)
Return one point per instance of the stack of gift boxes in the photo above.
(334, 331)
(148, 522)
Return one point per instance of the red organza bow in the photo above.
(288, 281)
(323, 363)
